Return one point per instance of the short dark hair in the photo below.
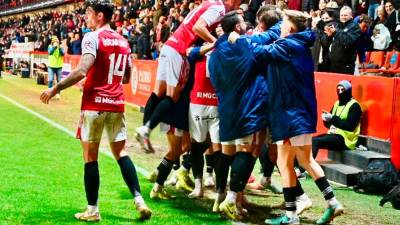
(104, 6)
(269, 18)
(229, 21)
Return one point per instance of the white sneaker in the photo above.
(209, 180)
(196, 193)
(143, 137)
(88, 215)
(58, 96)
(302, 204)
(172, 181)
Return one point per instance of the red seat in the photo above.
(377, 58)
(393, 69)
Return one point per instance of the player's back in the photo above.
(203, 92)
(211, 11)
(103, 89)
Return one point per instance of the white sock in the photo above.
(209, 174)
(265, 181)
(93, 208)
(198, 183)
(291, 214)
(139, 201)
(332, 201)
(157, 187)
(231, 197)
(146, 127)
(302, 197)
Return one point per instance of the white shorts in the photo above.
(296, 141)
(204, 119)
(251, 139)
(172, 67)
(168, 129)
(92, 123)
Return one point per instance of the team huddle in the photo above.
(219, 91)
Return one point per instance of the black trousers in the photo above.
(343, 68)
(333, 142)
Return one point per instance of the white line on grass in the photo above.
(105, 151)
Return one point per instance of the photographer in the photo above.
(56, 60)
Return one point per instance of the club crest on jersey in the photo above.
(89, 45)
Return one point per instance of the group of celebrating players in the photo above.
(212, 94)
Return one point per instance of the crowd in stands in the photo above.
(147, 24)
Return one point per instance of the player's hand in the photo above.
(47, 95)
(219, 31)
(233, 36)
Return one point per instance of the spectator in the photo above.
(372, 8)
(76, 45)
(343, 122)
(391, 17)
(56, 58)
(327, 20)
(162, 30)
(381, 37)
(143, 44)
(39, 44)
(364, 42)
(344, 37)
(160, 10)
(173, 20)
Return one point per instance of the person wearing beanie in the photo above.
(343, 122)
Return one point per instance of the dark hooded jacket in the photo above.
(290, 76)
(355, 111)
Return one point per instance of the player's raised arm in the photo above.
(200, 28)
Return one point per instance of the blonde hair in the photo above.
(298, 19)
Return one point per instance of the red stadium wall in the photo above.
(378, 96)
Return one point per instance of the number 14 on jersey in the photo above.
(116, 68)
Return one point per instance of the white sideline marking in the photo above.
(105, 151)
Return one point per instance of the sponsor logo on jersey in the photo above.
(207, 95)
(107, 100)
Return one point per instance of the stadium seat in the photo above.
(377, 58)
(391, 69)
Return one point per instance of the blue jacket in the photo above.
(241, 89)
(290, 76)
